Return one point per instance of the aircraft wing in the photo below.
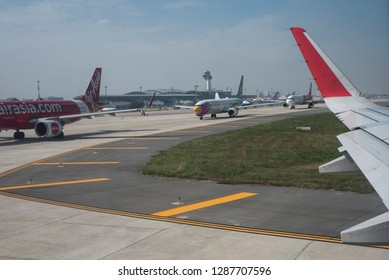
(110, 112)
(367, 144)
(69, 118)
(88, 115)
(264, 104)
(184, 107)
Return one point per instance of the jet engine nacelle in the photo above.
(232, 112)
(48, 128)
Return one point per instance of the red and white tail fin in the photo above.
(329, 79)
(92, 94)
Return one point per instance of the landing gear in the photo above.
(201, 118)
(310, 105)
(19, 135)
(213, 115)
(292, 107)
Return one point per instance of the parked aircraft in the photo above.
(48, 117)
(367, 144)
(218, 105)
(294, 99)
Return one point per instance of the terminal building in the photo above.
(166, 97)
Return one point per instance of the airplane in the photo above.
(293, 100)
(258, 99)
(48, 117)
(219, 105)
(367, 142)
(142, 111)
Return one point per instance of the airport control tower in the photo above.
(207, 76)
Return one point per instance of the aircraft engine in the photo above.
(232, 112)
(48, 128)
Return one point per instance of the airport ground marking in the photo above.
(52, 184)
(241, 229)
(76, 163)
(203, 204)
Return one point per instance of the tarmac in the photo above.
(87, 222)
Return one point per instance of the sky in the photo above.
(157, 44)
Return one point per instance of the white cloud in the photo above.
(104, 21)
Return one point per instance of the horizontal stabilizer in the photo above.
(373, 231)
(342, 164)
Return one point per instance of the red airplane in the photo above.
(48, 117)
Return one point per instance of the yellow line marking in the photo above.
(189, 222)
(204, 204)
(54, 184)
(152, 138)
(117, 148)
(76, 162)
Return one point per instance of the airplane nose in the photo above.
(198, 110)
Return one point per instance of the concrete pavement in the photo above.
(33, 230)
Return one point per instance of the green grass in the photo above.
(271, 154)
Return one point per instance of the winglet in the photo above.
(329, 79)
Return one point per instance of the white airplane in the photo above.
(293, 100)
(258, 99)
(367, 144)
(219, 105)
(142, 111)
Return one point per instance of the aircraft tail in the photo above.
(275, 96)
(328, 77)
(151, 100)
(240, 89)
(92, 94)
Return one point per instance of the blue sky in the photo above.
(164, 44)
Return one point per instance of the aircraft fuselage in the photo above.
(215, 106)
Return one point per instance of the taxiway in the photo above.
(83, 198)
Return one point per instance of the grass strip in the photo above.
(271, 154)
